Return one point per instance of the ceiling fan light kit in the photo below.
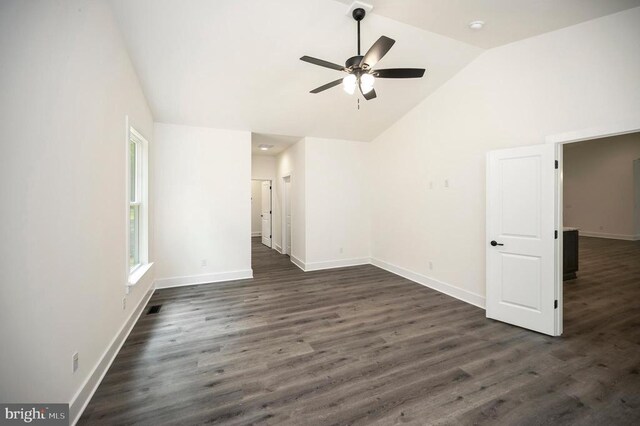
(360, 67)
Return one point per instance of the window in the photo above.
(137, 199)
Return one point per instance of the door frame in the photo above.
(286, 198)
(560, 139)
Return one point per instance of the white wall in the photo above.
(202, 204)
(291, 162)
(256, 207)
(67, 84)
(337, 187)
(580, 77)
(598, 186)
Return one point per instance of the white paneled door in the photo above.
(521, 237)
(266, 213)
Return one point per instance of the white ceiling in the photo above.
(279, 143)
(235, 64)
(506, 20)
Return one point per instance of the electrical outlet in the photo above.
(446, 183)
(124, 303)
(204, 262)
(431, 185)
(341, 250)
(430, 265)
(74, 362)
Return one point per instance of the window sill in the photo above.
(137, 275)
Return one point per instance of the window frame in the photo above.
(139, 200)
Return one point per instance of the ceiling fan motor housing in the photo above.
(353, 62)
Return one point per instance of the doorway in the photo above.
(601, 234)
(534, 299)
(261, 211)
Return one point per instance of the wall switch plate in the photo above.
(446, 183)
(431, 185)
(74, 362)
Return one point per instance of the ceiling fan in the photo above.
(360, 68)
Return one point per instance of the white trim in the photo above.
(138, 273)
(82, 397)
(610, 236)
(338, 263)
(442, 287)
(256, 234)
(619, 128)
(278, 248)
(299, 263)
(203, 279)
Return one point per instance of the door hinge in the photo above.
(555, 234)
(556, 164)
(555, 304)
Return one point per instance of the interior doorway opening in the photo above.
(602, 268)
(600, 208)
(262, 211)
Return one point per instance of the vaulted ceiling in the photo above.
(234, 64)
(506, 21)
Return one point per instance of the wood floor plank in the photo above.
(360, 345)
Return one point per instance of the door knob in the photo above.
(495, 243)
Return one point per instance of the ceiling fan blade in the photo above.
(326, 86)
(320, 62)
(377, 51)
(399, 73)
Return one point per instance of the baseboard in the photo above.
(83, 396)
(341, 263)
(278, 248)
(610, 236)
(203, 279)
(299, 263)
(256, 234)
(442, 287)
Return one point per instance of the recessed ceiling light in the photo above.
(476, 25)
(264, 147)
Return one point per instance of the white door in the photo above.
(521, 237)
(266, 213)
(287, 212)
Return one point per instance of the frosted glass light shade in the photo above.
(366, 82)
(349, 84)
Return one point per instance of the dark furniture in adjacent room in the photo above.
(570, 253)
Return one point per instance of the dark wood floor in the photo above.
(362, 346)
